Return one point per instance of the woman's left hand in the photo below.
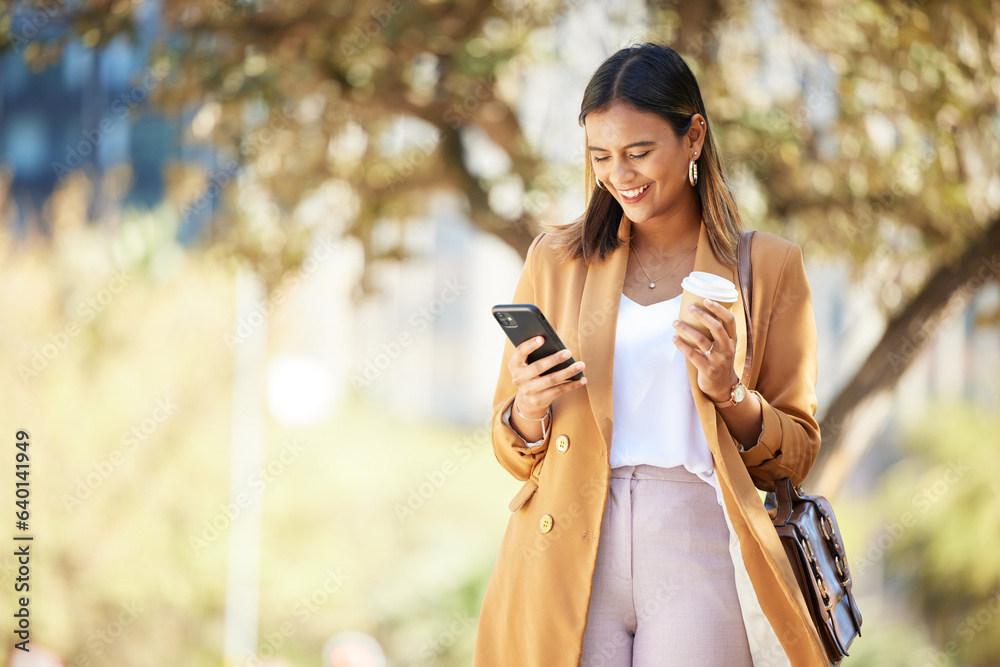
(712, 359)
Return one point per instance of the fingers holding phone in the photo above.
(541, 367)
(540, 382)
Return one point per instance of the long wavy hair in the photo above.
(654, 78)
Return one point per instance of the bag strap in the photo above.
(782, 495)
(745, 273)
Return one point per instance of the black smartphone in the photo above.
(521, 321)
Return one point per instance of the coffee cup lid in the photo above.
(710, 286)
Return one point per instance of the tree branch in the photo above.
(942, 296)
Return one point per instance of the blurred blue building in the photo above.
(89, 111)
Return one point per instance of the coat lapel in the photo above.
(599, 304)
(602, 293)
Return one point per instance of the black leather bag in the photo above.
(807, 528)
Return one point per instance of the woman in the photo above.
(638, 537)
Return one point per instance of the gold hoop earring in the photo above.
(692, 173)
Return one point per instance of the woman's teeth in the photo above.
(634, 193)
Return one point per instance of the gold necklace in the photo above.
(652, 283)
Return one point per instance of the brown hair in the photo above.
(652, 78)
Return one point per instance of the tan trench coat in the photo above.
(535, 608)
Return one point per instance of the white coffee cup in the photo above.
(697, 286)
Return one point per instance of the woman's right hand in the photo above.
(535, 392)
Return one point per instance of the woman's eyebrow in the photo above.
(632, 145)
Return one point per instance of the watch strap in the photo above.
(732, 396)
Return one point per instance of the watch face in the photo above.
(739, 393)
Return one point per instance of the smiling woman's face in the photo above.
(640, 160)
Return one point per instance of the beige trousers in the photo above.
(664, 588)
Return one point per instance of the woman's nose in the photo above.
(622, 173)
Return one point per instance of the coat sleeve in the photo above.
(786, 382)
(511, 451)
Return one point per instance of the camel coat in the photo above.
(534, 611)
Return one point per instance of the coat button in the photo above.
(562, 444)
(545, 525)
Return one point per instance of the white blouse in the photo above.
(656, 422)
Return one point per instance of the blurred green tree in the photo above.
(904, 183)
(871, 133)
(945, 535)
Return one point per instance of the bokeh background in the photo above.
(247, 254)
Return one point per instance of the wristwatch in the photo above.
(736, 396)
